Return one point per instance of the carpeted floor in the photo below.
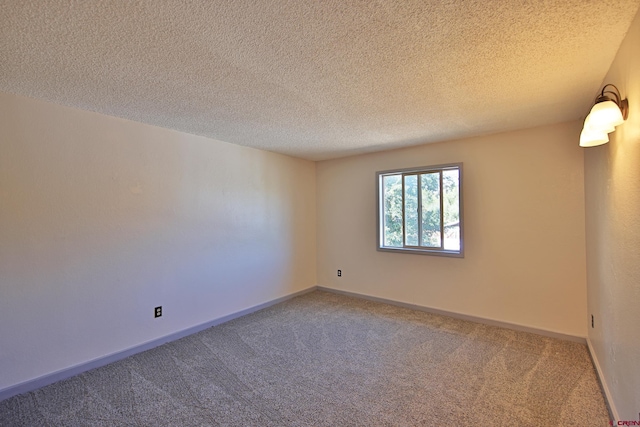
(328, 360)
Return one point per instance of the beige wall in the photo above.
(102, 219)
(612, 187)
(524, 230)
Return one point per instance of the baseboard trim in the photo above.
(613, 412)
(63, 374)
(491, 322)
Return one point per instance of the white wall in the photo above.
(524, 230)
(612, 187)
(102, 219)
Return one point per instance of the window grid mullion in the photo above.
(404, 216)
(441, 212)
(419, 209)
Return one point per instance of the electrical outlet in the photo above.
(158, 311)
(592, 323)
(339, 273)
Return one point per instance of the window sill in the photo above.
(453, 254)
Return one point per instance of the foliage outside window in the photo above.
(420, 210)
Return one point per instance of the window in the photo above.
(420, 210)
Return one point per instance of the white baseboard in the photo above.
(491, 322)
(613, 412)
(63, 374)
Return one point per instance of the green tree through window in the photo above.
(420, 210)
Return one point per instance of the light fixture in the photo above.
(589, 123)
(609, 111)
(591, 137)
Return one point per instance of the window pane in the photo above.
(411, 209)
(451, 187)
(420, 212)
(430, 188)
(392, 215)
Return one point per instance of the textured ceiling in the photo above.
(316, 79)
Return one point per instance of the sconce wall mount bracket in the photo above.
(610, 95)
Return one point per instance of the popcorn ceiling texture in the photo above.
(316, 79)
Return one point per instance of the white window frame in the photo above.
(418, 249)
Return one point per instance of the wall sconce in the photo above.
(609, 111)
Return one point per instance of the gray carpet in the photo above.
(328, 360)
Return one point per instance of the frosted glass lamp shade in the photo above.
(605, 115)
(591, 125)
(591, 138)
(609, 111)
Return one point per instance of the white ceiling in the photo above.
(316, 79)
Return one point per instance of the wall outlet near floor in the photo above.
(157, 312)
(339, 273)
